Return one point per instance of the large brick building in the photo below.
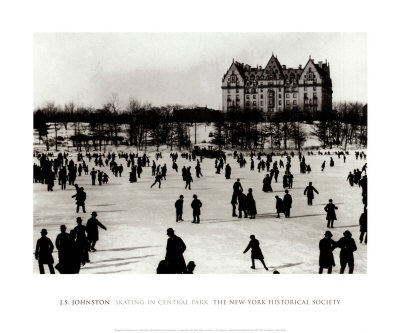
(275, 87)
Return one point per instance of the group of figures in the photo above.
(74, 247)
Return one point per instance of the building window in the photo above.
(254, 103)
(262, 90)
(315, 88)
(237, 97)
(280, 90)
(280, 102)
(261, 103)
(294, 102)
(254, 96)
(294, 95)
(248, 103)
(261, 96)
(315, 94)
(287, 95)
(280, 95)
(229, 91)
(237, 91)
(287, 102)
(247, 96)
(280, 109)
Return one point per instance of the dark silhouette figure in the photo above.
(80, 198)
(251, 204)
(363, 226)
(234, 203)
(323, 166)
(350, 178)
(93, 175)
(256, 253)
(174, 256)
(196, 205)
(279, 206)
(326, 259)
(267, 184)
(43, 252)
(228, 171)
(81, 242)
(63, 246)
(242, 198)
(330, 213)
(190, 267)
(309, 191)
(188, 179)
(157, 180)
(347, 246)
(287, 203)
(237, 188)
(92, 230)
(179, 208)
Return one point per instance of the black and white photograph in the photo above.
(171, 153)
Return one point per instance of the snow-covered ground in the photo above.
(137, 218)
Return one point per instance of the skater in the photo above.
(267, 184)
(196, 205)
(256, 252)
(92, 229)
(331, 163)
(43, 252)
(330, 213)
(363, 226)
(251, 205)
(287, 203)
(309, 190)
(326, 259)
(347, 246)
(242, 204)
(350, 178)
(179, 208)
(190, 267)
(188, 179)
(323, 166)
(63, 248)
(279, 206)
(174, 256)
(237, 187)
(228, 171)
(157, 180)
(93, 175)
(132, 174)
(234, 203)
(81, 242)
(80, 198)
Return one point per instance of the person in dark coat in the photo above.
(196, 205)
(132, 174)
(309, 191)
(330, 213)
(81, 242)
(63, 248)
(174, 255)
(350, 178)
(93, 175)
(287, 203)
(190, 267)
(279, 206)
(326, 259)
(363, 226)
(234, 203)
(237, 187)
(228, 171)
(43, 252)
(267, 184)
(157, 180)
(242, 199)
(251, 204)
(331, 163)
(80, 198)
(347, 246)
(92, 230)
(323, 166)
(256, 252)
(179, 208)
(188, 179)
(285, 180)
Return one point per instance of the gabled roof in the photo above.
(274, 64)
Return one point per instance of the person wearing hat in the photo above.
(81, 241)
(174, 255)
(347, 246)
(43, 252)
(179, 208)
(196, 205)
(287, 203)
(256, 252)
(309, 191)
(330, 213)
(92, 230)
(237, 188)
(279, 206)
(63, 246)
(326, 259)
(80, 198)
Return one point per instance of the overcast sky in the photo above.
(183, 68)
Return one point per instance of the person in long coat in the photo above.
(287, 203)
(251, 204)
(326, 259)
(179, 208)
(279, 206)
(285, 180)
(228, 171)
(256, 252)
(309, 191)
(43, 252)
(81, 241)
(174, 255)
(234, 203)
(92, 230)
(347, 246)
(242, 199)
(350, 178)
(132, 174)
(267, 184)
(63, 247)
(363, 226)
(330, 213)
(196, 205)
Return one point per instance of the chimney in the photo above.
(320, 64)
(300, 67)
(284, 66)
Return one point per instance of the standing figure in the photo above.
(179, 208)
(93, 175)
(309, 191)
(251, 204)
(287, 203)
(228, 171)
(326, 259)
(330, 213)
(347, 246)
(267, 183)
(279, 206)
(196, 205)
(256, 252)
(350, 178)
(92, 230)
(331, 163)
(188, 179)
(81, 242)
(63, 247)
(174, 256)
(234, 203)
(242, 204)
(323, 166)
(43, 252)
(363, 226)
(80, 198)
